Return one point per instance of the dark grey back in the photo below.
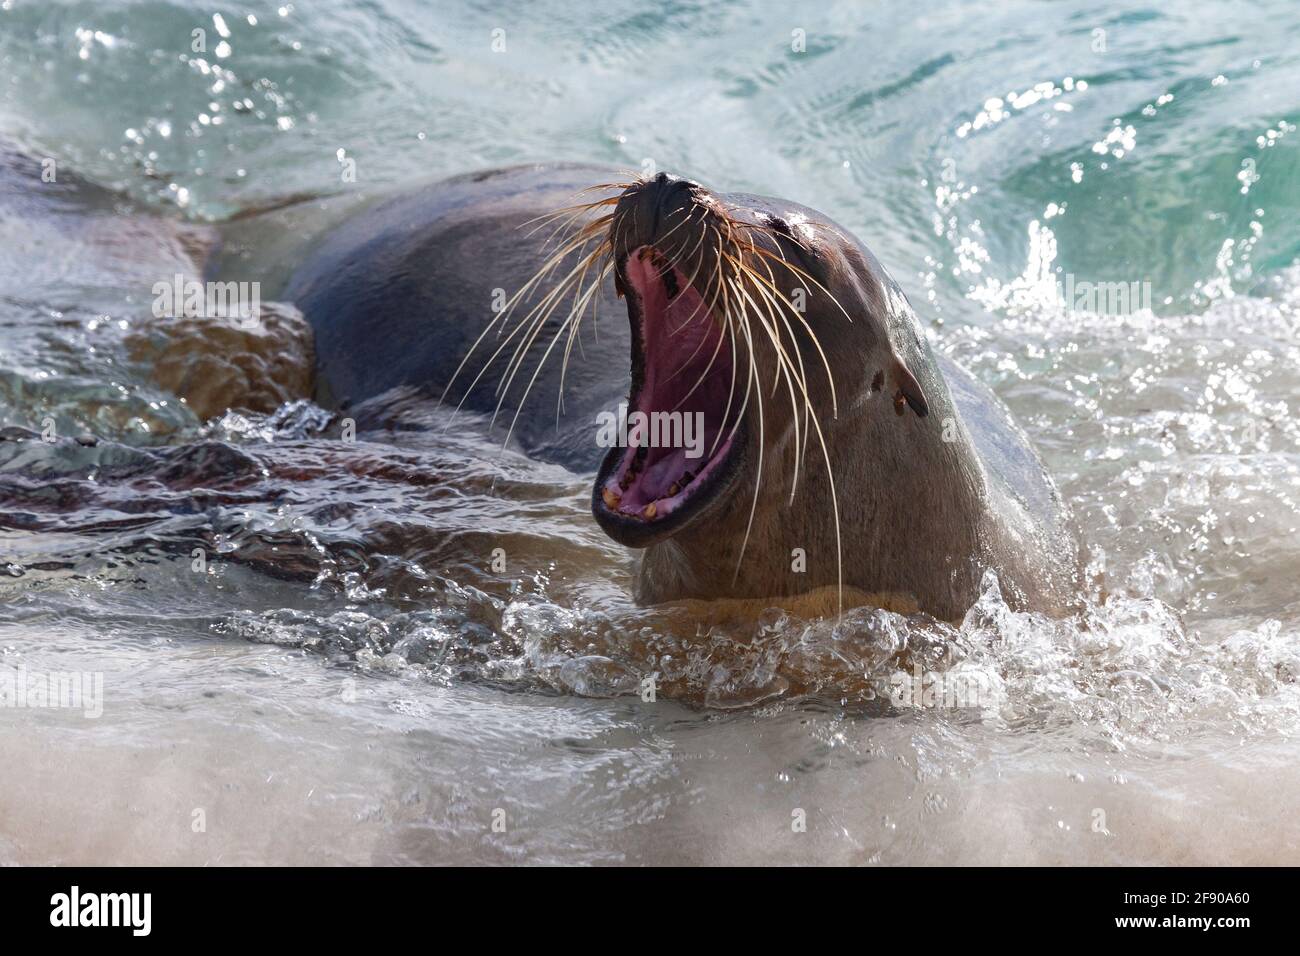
(398, 293)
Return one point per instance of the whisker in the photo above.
(553, 298)
(782, 300)
(578, 308)
(503, 317)
(572, 319)
(783, 365)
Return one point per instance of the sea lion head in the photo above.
(763, 334)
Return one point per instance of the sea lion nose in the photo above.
(671, 193)
(668, 184)
(645, 207)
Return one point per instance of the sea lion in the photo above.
(837, 450)
(60, 231)
(66, 238)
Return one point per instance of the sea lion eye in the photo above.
(777, 224)
(806, 250)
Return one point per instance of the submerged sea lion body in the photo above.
(64, 238)
(933, 480)
(59, 231)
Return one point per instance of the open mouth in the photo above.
(679, 448)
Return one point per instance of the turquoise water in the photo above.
(865, 124)
(383, 703)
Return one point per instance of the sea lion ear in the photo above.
(907, 390)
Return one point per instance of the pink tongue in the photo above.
(685, 310)
(682, 359)
(659, 477)
(684, 336)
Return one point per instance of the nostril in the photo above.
(674, 184)
(661, 195)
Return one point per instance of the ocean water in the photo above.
(342, 678)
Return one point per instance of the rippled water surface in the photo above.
(345, 678)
